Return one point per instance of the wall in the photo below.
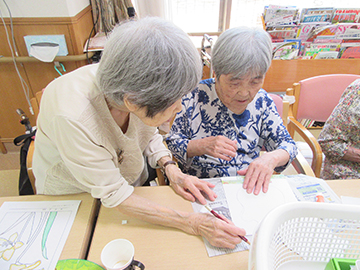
(43, 8)
(37, 75)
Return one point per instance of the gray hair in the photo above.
(242, 51)
(150, 61)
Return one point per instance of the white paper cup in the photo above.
(117, 254)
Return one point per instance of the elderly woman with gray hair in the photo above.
(226, 121)
(98, 125)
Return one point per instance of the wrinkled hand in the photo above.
(220, 147)
(189, 187)
(258, 174)
(218, 232)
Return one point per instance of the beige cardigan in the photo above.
(78, 145)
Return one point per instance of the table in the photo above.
(78, 241)
(160, 247)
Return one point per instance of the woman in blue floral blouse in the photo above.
(226, 121)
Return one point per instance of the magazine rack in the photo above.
(306, 235)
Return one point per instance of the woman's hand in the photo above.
(189, 187)
(218, 147)
(218, 232)
(259, 172)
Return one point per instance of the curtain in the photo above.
(158, 8)
(108, 13)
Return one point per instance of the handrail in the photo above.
(27, 59)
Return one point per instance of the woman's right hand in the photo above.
(218, 232)
(215, 146)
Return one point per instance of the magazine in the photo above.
(281, 16)
(286, 49)
(346, 15)
(316, 15)
(306, 28)
(351, 52)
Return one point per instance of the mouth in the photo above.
(241, 101)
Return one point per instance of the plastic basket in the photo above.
(306, 235)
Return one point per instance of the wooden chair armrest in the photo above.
(302, 166)
(29, 159)
(311, 141)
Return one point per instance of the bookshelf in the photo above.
(283, 73)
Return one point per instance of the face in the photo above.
(237, 93)
(161, 117)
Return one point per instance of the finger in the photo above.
(196, 193)
(186, 195)
(229, 152)
(207, 190)
(222, 156)
(259, 184)
(252, 178)
(241, 172)
(232, 229)
(232, 145)
(266, 183)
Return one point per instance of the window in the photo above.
(211, 16)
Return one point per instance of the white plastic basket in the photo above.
(306, 235)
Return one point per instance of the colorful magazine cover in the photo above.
(305, 29)
(346, 15)
(286, 48)
(316, 14)
(351, 52)
(281, 16)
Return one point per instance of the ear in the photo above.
(129, 105)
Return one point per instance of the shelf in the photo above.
(283, 73)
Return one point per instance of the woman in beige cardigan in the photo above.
(97, 127)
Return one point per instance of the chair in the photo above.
(3, 148)
(35, 103)
(299, 163)
(315, 98)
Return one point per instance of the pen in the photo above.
(219, 217)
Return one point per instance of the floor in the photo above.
(10, 160)
(9, 170)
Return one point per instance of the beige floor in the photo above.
(9, 170)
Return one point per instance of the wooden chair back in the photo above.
(35, 103)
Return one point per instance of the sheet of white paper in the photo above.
(350, 200)
(248, 210)
(33, 234)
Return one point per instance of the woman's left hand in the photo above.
(189, 187)
(259, 172)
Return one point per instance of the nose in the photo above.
(243, 92)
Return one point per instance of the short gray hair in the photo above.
(151, 61)
(242, 51)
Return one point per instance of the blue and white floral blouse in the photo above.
(204, 115)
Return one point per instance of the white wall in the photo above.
(43, 8)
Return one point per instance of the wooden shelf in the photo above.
(283, 73)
